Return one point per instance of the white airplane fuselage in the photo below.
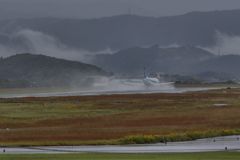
(149, 81)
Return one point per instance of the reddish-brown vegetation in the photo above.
(78, 120)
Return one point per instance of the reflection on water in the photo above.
(102, 86)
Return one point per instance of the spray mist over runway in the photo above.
(99, 86)
(128, 85)
(102, 86)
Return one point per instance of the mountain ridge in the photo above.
(125, 31)
(185, 60)
(41, 70)
(133, 60)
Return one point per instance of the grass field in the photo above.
(185, 156)
(119, 118)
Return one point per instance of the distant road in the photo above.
(229, 143)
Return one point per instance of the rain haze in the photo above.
(96, 78)
(150, 34)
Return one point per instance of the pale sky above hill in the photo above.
(102, 8)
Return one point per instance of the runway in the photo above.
(101, 92)
(229, 143)
(102, 87)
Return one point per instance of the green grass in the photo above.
(137, 139)
(182, 156)
(97, 120)
(148, 139)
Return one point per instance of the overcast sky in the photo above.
(101, 8)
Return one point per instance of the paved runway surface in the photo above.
(103, 92)
(230, 143)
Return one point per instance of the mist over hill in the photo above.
(27, 70)
(124, 44)
(125, 31)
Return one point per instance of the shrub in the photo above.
(189, 136)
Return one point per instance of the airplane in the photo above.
(152, 81)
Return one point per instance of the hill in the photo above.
(168, 60)
(40, 70)
(188, 60)
(222, 64)
(125, 31)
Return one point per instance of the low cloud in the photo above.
(225, 44)
(36, 42)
